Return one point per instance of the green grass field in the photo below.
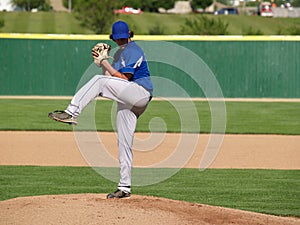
(63, 22)
(41, 22)
(267, 191)
(242, 117)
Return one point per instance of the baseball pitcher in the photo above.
(126, 81)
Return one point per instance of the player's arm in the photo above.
(113, 72)
(105, 72)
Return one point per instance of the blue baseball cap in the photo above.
(120, 30)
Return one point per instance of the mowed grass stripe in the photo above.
(266, 191)
(61, 23)
(242, 24)
(34, 24)
(41, 21)
(76, 25)
(171, 23)
(242, 117)
(18, 22)
(49, 23)
(65, 23)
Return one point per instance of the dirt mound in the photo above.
(91, 209)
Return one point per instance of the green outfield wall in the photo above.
(248, 67)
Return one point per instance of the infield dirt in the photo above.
(59, 148)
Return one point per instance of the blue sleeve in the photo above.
(127, 69)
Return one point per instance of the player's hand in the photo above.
(100, 52)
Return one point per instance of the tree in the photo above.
(73, 3)
(204, 26)
(201, 4)
(2, 23)
(166, 4)
(148, 5)
(32, 4)
(96, 15)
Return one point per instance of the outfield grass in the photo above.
(266, 26)
(64, 22)
(242, 117)
(41, 22)
(265, 191)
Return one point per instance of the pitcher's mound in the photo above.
(88, 209)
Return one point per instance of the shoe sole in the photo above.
(50, 115)
(113, 197)
(128, 197)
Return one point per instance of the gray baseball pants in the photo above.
(132, 101)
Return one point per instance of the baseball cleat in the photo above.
(119, 194)
(62, 116)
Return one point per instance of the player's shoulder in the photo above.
(133, 49)
(134, 45)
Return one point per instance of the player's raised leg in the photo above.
(110, 87)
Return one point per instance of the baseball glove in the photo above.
(100, 52)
